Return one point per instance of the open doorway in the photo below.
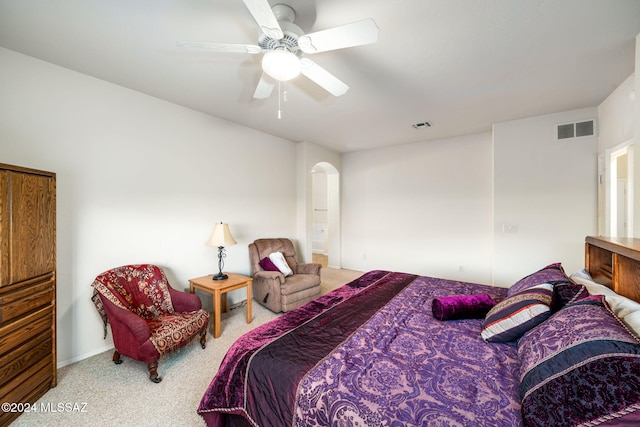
(325, 219)
(620, 191)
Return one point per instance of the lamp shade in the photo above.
(281, 65)
(221, 236)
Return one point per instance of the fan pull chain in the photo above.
(279, 93)
(282, 94)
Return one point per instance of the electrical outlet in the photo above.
(509, 228)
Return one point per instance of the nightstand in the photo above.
(218, 290)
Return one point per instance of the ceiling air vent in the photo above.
(567, 131)
(422, 125)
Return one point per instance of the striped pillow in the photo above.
(511, 318)
(580, 367)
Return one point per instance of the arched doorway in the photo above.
(325, 217)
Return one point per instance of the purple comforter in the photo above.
(368, 354)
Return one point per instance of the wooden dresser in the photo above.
(615, 262)
(27, 286)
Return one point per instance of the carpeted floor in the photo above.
(96, 392)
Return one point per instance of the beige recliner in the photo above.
(271, 288)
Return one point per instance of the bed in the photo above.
(398, 349)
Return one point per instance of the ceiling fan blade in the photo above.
(222, 47)
(322, 77)
(354, 34)
(265, 87)
(264, 16)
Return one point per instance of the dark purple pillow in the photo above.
(580, 367)
(552, 273)
(462, 307)
(566, 293)
(267, 264)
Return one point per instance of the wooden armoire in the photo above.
(27, 287)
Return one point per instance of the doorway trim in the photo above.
(333, 213)
(611, 202)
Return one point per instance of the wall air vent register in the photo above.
(568, 131)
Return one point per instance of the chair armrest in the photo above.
(184, 302)
(269, 275)
(310, 268)
(125, 320)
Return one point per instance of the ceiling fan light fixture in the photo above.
(281, 64)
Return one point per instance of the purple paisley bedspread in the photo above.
(368, 354)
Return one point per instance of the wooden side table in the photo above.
(218, 290)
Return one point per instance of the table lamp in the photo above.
(221, 237)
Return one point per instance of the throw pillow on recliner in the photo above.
(267, 264)
(278, 260)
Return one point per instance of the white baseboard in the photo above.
(83, 356)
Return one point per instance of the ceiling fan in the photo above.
(284, 45)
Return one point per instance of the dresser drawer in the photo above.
(29, 386)
(16, 333)
(28, 297)
(25, 355)
(27, 359)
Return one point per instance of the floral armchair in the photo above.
(148, 317)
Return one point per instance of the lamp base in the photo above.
(220, 276)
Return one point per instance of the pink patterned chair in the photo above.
(148, 317)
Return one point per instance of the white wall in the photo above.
(422, 208)
(138, 180)
(619, 117)
(433, 207)
(547, 189)
(616, 116)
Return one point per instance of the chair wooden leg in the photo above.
(203, 338)
(116, 358)
(153, 372)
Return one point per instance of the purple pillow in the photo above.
(566, 293)
(580, 367)
(552, 273)
(267, 264)
(462, 307)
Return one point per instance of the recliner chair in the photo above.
(271, 288)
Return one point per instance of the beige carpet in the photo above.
(97, 392)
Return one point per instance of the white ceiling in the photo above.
(460, 64)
